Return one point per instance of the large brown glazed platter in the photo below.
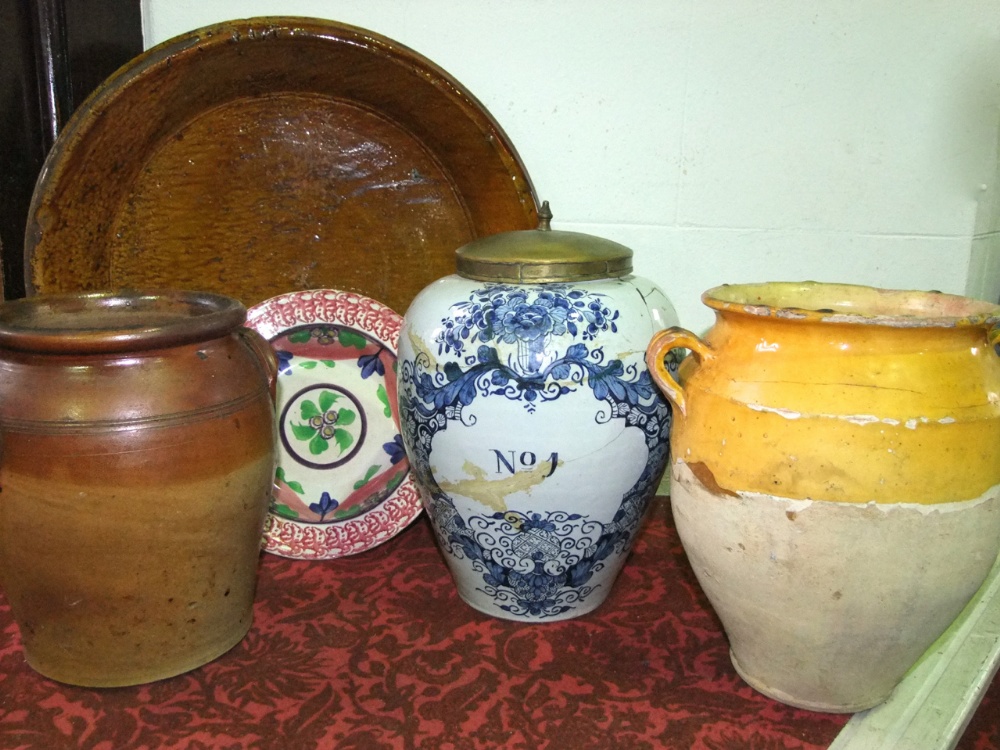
(266, 155)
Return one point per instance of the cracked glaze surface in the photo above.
(536, 435)
(806, 408)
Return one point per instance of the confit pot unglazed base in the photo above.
(836, 478)
(827, 605)
(138, 438)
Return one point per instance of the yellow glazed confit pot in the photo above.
(835, 477)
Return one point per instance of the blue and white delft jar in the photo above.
(535, 433)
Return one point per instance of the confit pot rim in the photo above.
(856, 304)
(109, 322)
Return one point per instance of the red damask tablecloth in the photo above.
(378, 651)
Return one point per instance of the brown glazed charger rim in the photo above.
(302, 153)
(114, 322)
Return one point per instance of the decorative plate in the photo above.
(270, 154)
(343, 482)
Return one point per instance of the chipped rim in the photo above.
(853, 303)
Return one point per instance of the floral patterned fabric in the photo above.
(377, 651)
(983, 731)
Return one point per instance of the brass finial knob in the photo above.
(545, 217)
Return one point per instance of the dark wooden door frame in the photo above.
(53, 53)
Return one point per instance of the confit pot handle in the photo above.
(661, 345)
(265, 354)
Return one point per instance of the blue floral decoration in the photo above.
(395, 449)
(501, 312)
(537, 575)
(325, 505)
(284, 361)
(371, 363)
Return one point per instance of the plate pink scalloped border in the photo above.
(309, 541)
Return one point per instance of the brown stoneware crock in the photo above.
(138, 450)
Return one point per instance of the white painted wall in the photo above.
(984, 276)
(728, 140)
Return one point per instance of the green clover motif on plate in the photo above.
(324, 423)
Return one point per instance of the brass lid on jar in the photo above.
(543, 255)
